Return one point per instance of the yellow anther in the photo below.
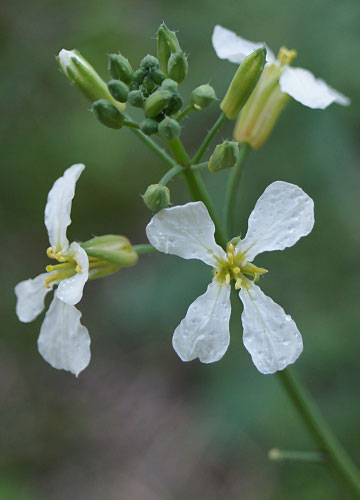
(227, 278)
(238, 284)
(78, 269)
(50, 252)
(50, 279)
(285, 56)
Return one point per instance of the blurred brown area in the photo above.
(138, 423)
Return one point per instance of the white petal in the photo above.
(58, 207)
(186, 231)
(70, 290)
(313, 92)
(228, 45)
(270, 335)
(282, 215)
(63, 341)
(204, 332)
(31, 296)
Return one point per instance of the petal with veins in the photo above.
(204, 332)
(186, 231)
(63, 341)
(313, 92)
(58, 206)
(282, 215)
(228, 45)
(70, 290)
(31, 296)
(270, 335)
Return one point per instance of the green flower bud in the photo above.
(108, 254)
(148, 126)
(108, 114)
(167, 43)
(178, 66)
(81, 74)
(175, 104)
(149, 62)
(157, 197)
(225, 155)
(120, 68)
(119, 90)
(134, 86)
(202, 96)
(136, 98)
(157, 76)
(169, 129)
(158, 101)
(243, 83)
(169, 84)
(149, 85)
(139, 75)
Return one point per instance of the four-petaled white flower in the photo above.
(299, 83)
(282, 215)
(63, 341)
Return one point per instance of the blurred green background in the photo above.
(139, 423)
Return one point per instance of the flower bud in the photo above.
(136, 98)
(169, 84)
(202, 96)
(120, 68)
(119, 90)
(169, 129)
(81, 74)
(225, 155)
(175, 104)
(156, 197)
(149, 85)
(157, 76)
(243, 83)
(177, 66)
(167, 43)
(108, 114)
(149, 62)
(148, 126)
(158, 101)
(139, 75)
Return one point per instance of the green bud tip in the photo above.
(177, 66)
(108, 114)
(136, 98)
(167, 43)
(148, 126)
(119, 90)
(120, 68)
(149, 62)
(156, 197)
(202, 96)
(169, 129)
(139, 75)
(225, 155)
(169, 84)
(158, 101)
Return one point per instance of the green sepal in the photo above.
(108, 114)
(112, 248)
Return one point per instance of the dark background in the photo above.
(139, 423)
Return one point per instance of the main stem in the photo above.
(209, 137)
(336, 456)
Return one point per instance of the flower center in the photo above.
(286, 56)
(68, 267)
(235, 267)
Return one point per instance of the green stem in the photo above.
(184, 112)
(277, 455)
(211, 134)
(197, 187)
(143, 248)
(131, 124)
(337, 457)
(170, 174)
(232, 186)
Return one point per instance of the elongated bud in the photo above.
(178, 66)
(243, 83)
(148, 126)
(167, 43)
(202, 96)
(120, 68)
(169, 84)
(108, 114)
(136, 98)
(225, 155)
(81, 74)
(169, 129)
(157, 197)
(158, 101)
(119, 90)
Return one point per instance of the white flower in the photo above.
(63, 341)
(282, 215)
(299, 83)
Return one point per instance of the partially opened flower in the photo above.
(278, 81)
(63, 341)
(282, 215)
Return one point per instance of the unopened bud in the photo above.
(158, 101)
(175, 104)
(167, 43)
(148, 126)
(149, 85)
(139, 75)
(243, 83)
(202, 96)
(225, 155)
(81, 74)
(119, 90)
(136, 98)
(169, 129)
(157, 197)
(169, 84)
(149, 62)
(120, 68)
(157, 76)
(178, 66)
(108, 114)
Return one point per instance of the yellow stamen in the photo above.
(78, 269)
(227, 278)
(238, 284)
(285, 56)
